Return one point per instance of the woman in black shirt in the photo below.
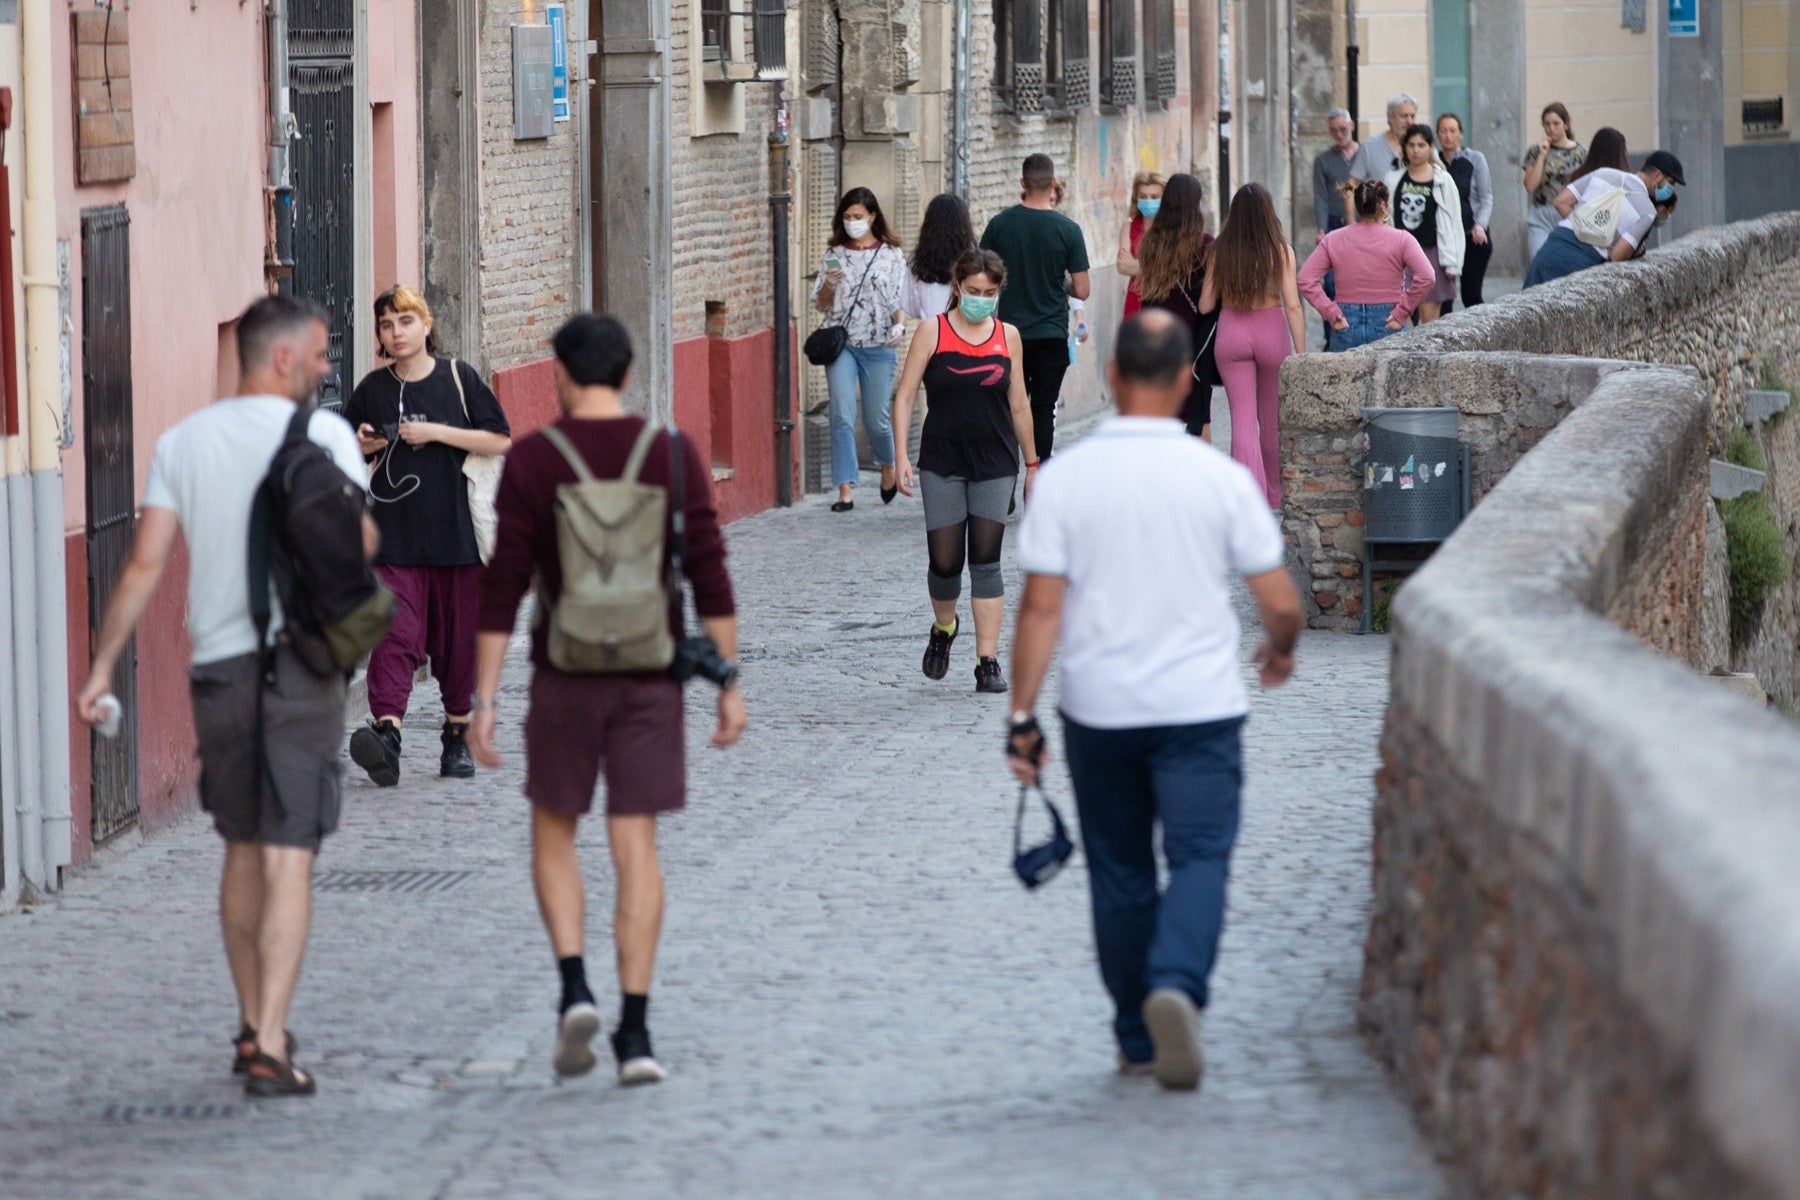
(977, 416)
(1171, 273)
(418, 420)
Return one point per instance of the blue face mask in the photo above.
(1664, 193)
(977, 309)
(1149, 208)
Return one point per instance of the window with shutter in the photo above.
(1071, 73)
(1019, 55)
(1159, 51)
(1118, 53)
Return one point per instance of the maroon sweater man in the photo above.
(578, 726)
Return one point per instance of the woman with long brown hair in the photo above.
(1172, 270)
(1250, 281)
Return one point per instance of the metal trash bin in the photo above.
(1415, 486)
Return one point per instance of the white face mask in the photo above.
(857, 229)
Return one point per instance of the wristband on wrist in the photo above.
(491, 704)
(1031, 463)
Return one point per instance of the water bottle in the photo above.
(1077, 327)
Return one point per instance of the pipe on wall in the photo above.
(40, 618)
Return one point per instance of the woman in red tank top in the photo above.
(1146, 199)
(977, 417)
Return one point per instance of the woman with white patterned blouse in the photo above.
(859, 287)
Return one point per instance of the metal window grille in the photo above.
(769, 38)
(715, 30)
(1765, 116)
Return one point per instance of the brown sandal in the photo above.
(245, 1041)
(267, 1075)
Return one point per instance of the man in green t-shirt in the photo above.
(1046, 264)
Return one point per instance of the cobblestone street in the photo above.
(854, 998)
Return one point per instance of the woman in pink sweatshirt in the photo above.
(1381, 273)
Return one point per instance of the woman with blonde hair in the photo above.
(418, 419)
(1146, 202)
(1250, 281)
(1171, 274)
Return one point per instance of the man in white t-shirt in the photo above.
(1564, 253)
(1128, 546)
(202, 482)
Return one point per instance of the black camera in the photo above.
(699, 655)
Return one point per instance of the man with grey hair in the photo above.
(1330, 172)
(1379, 156)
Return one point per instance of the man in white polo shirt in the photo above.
(1128, 546)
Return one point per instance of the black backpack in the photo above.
(306, 537)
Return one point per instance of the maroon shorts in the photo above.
(628, 725)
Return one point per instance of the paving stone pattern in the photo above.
(855, 998)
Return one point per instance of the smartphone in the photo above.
(833, 263)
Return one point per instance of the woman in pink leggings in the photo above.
(1251, 273)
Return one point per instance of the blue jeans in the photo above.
(873, 367)
(1563, 254)
(1368, 323)
(1126, 780)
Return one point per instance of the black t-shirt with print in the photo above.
(420, 496)
(1415, 210)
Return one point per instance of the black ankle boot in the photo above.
(456, 762)
(375, 748)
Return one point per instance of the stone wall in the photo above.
(1721, 301)
(1583, 954)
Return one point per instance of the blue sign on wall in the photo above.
(559, 60)
(1684, 18)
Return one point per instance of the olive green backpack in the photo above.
(613, 612)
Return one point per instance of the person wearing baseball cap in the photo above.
(1582, 204)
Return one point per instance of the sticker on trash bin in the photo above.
(1407, 468)
(1441, 467)
(1387, 474)
(1406, 482)
(1368, 477)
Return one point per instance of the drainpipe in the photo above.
(41, 616)
(781, 200)
(1352, 52)
(959, 113)
(279, 265)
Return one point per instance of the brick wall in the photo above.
(1580, 962)
(530, 206)
(721, 211)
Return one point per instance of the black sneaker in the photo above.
(988, 677)
(376, 749)
(455, 762)
(937, 651)
(637, 1062)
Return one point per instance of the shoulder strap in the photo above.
(259, 552)
(456, 374)
(640, 450)
(566, 448)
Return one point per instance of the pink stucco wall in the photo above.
(394, 114)
(196, 208)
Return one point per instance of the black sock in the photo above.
(574, 979)
(633, 1009)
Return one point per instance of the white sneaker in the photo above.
(1174, 1024)
(577, 1027)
